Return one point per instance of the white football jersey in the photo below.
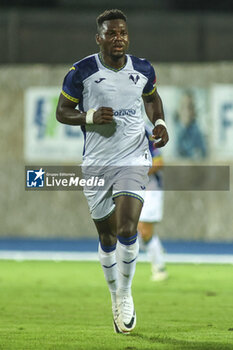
(92, 84)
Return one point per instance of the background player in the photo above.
(152, 212)
(107, 87)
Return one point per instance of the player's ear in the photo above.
(97, 39)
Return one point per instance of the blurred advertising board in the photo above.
(199, 120)
(222, 117)
(45, 139)
(187, 118)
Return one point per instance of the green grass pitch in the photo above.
(66, 305)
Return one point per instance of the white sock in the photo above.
(109, 266)
(155, 252)
(126, 255)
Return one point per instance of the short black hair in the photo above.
(108, 15)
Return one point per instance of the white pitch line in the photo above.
(199, 258)
(90, 256)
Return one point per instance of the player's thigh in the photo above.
(107, 230)
(107, 225)
(127, 212)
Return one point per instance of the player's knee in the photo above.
(127, 230)
(145, 230)
(146, 236)
(107, 239)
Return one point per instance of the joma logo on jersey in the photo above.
(35, 178)
(99, 80)
(134, 77)
(122, 112)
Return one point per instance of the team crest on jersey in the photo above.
(134, 77)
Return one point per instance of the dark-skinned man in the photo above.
(107, 88)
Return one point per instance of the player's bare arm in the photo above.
(67, 114)
(154, 110)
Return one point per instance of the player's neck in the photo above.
(116, 63)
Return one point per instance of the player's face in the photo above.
(113, 38)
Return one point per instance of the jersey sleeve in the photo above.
(72, 85)
(150, 86)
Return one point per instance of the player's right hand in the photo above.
(103, 115)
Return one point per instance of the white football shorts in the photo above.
(126, 180)
(152, 210)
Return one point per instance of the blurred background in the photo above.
(190, 45)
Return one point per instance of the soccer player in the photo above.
(107, 87)
(152, 212)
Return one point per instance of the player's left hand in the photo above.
(160, 135)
